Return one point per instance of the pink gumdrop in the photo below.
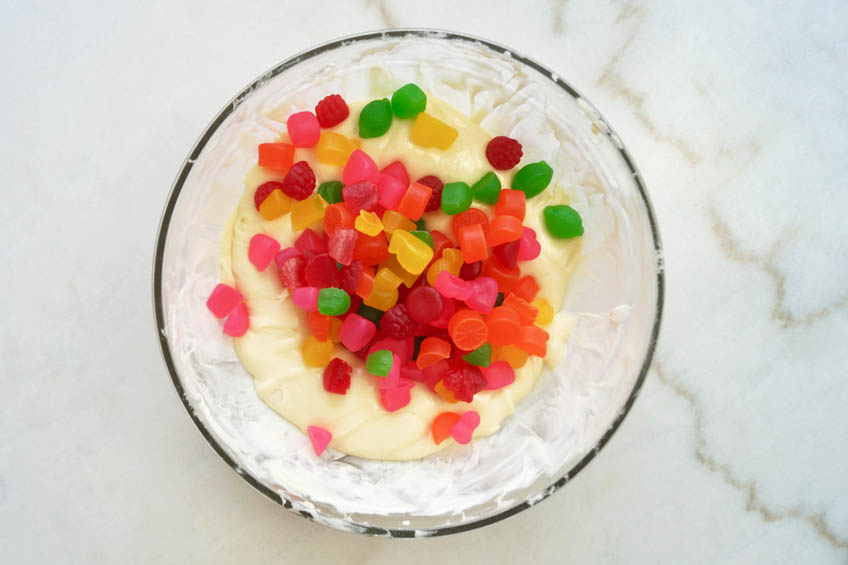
(451, 286)
(304, 129)
(284, 255)
(261, 250)
(391, 191)
(306, 298)
(320, 438)
(498, 375)
(465, 426)
(393, 378)
(237, 322)
(411, 372)
(401, 347)
(484, 293)
(398, 171)
(360, 167)
(448, 311)
(310, 242)
(528, 247)
(223, 300)
(394, 399)
(434, 373)
(356, 332)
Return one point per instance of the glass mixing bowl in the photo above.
(573, 410)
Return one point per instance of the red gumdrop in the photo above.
(360, 196)
(293, 272)
(529, 247)
(401, 347)
(424, 304)
(410, 370)
(372, 250)
(321, 272)
(356, 332)
(341, 244)
(507, 253)
(470, 271)
(310, 242)
(448, 311)
(349, 276)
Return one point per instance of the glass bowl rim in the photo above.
(197, 149)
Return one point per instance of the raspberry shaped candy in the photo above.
(300, 181)
(396, 323)
(264, 190)
(331, 111)
(337, 376)
(464, 382)
(437, 185)
(503, 152)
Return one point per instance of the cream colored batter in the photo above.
(270, 351)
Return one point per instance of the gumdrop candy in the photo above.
(331, 191)
(456, 198)
(471, 271)
(546, 313)
(533, 340)
(237, 322)
(360, 167)
(408, 101)
(223, 300)
(527, 288)
(563, 221)
(402, 348)
(318, 325)
(394, 399)
(360, 196)
(484, 292)
(514, 357)
(333, 149)
(368, 223)
(487, 188)
(375, 119)
(507, 253)
(503, 229)
(398, 171)
(465, 426)
(432, 350)
(468, 330)
(394, 220)
(498, 375)
(275, 205)
(337, 216)
(415, 200)
(450, 261)
(333, 301)
(304, 129)
(371, 250)
(469, 217)
(316, 353)
(321, 272)
(428, 131)
(392, 379)
(526, 312)
(320, 438)
(306, 298)
(276, 156)
(261, 250)
(379, 362)
(306, 212)
(413, 254)
(451, 286)
(310, 243)
(411, 372)
(533, 178)
(441, 426)
(341, 244)
(391, 191)
(285, 254)
(472, 241)
(408, 279)
(506, 278)
(424, 304)
(356, 332)
(480, 357)
(511, 203)
(504, 326)
(293, 272)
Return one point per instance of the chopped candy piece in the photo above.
(486, 189)
(468, 218)
(507, 253)
(223, 300)
(526, 312)
(341, 245)
(394, 399)
(408, 101)
(320, 438)
(307, 212)
(415, 200)
(316, 353)
(428, 131)
(424, 236)
(368, 223)
(304, 129)
(331, 191)
(321, 272)
(333, 149)
(527, 288)
(413, 254)
(237, 322)
(533, 178)
(350, 276)
(406, 277)
(503, 326)
(306, 298)
(318, 325)
(356, 332)
(360, 167)
(533, 340)
(371, 250)
(276, 156)
(336, 378)
(529, 247)
(433, 350)
(394, 220)
(480, 357)
(337, 216)
(424, 304)
(444, 393)
(284, 255)
(498, 375)
(398, 171)
(310, 243)
(465, 426)
(375, 119)
(451, 286)
(503, 152)
(440, 242)
(503, 229)
(360, 196)
(379, 363)
(275, 205)
(464, 381)
(546, 313)
(441, 426)
(563, 221)
(333, 301)
(472, 241)
(506, 278)
(511, 355)
(471, 271)
(456, 198)
(390, 191)
(511, 203)
(396, 322)
(264, 190)
(331, 111)
(436, 197)
(468, 330)
(261, 250)
(484, 293)
(292, 272)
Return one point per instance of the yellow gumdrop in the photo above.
(368, 223)
(382, 297)
(275, 205)
(316, 353)
(450, 262)
(444, 393)
(413, 254)
(511, 354)
(394, 265)
(428, 131)
(387, 277)
(453, 257)
(395, 220)
(333, 149)
(304, 213)
(546, 312)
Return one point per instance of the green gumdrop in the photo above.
(379, 363)
(408, 101)
(499, 300)
(370, 313)
(333, 301)
(420, 225)
(533, 178)
(563, 221)
(487, 189)
(456, 198)
(424, 236)
(375, 119)
(331, 191)
(481, 357)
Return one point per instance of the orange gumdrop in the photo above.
(335, 325)
(527, 288)
(503, 326)
(444, 393)
(533, 340)
(511, 203)
(366, 282)
(469, 218)
(337, 216)
(371, 250)
(276, 156)
(472, 241)
(319, 325)
(467, 329)
(415, 200)
(526, 312)
(432, 350)
(440, 242)
(506, 278)
(503, 229)
(442, 424)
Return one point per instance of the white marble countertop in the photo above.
(735, 451)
